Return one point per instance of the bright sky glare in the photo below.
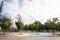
(31, 10)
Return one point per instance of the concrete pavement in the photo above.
(29, 38)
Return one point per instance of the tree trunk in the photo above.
(53, 31)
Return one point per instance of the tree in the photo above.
(48, 25)
(51, 24)
(58, 26)
(20, 22)
(26, 27)
(54, 20)
(5, 23)
(37, 25)
(31, 27)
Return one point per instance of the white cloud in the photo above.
(34, 10)
(42, 9)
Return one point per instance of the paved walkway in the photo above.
(29, 38)
(16, 36)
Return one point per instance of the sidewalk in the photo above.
(26, 35)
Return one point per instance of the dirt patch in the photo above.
(10, 35)
(14, 35)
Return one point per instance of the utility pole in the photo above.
(1, 6)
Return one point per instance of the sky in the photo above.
(31, 10)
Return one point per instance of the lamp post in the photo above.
(1, 6)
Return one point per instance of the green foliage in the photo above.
(58, 26)
(5, 23)
(35, 26)
(51, 24)
(20, 22)
(38, 26)
(26, 27)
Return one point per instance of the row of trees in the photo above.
(51, 25)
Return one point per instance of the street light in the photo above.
(1, 6)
